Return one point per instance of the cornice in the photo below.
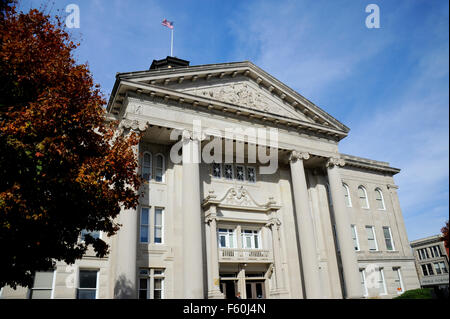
(365, 163)
(164, 77)
(166, 95)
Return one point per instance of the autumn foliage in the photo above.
(63, 167)
(445, 237)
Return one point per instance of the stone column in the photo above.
(274, 224)
(125, 277)
(213, 260)
(350, 267)
(192, 223)
(305, 226)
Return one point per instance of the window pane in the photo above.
(159, 161)
(437, 268)
(158, 217)
(231, 240)
(158, 283)
(158, 175)
(88, 278)
(430, 269)
(228, 171)
(158, 235)
(248, 241)
(256, 241)
(86, 294)
(142, 294)
(41, 294)
(444, 269)
(424, 270)
(144, 234)
(157, 294)
(217, 172)
(240, 173)
(251, 174)
(144, 216)
(222, 241)
(43, 279)
(143, 283)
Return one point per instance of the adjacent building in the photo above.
(431, 262)
(321, 225)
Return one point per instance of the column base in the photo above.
(215, 294)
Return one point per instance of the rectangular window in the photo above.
(159, 170)
(94, 234)
(145, 216)
(443, 268)
(151, 284)
(424, 270)
(216, 170)
(355, 237)
(226, 238)
(437, 269)
(388, 238)
(398, 280)
(158, 225)
(42, 285)
(371, 238)
(430, 269)
(381, 282)
(251, 174)
(363, 281)
(250, 239)
(435, 251)
(87, 288)
(228, 171)
(240, 173)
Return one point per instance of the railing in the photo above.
(233, 254)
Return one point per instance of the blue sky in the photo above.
(389, 85)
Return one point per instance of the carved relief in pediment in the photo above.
(244, 95)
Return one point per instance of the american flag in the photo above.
(168, 24)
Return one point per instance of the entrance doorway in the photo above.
(255, 289)
(229, 288)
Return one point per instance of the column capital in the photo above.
(296, 155)
(188, 135)
(335, 161)
(273, 222)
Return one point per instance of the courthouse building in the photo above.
(322, 225)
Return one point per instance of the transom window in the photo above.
(240, 173)
(227, 238)
(250, 239)
(363, 201)
(217, 170)
(151, 283)
(228, 171)
(379, 199)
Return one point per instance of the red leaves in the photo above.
(63, 168)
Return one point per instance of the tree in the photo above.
(444, 231)
(63, 167)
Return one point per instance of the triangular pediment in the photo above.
(240, 88)
(243, 92)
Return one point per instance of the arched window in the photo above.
(147, 166)
(363, 201)
(159, 168)
(379, 199)
(348, 200)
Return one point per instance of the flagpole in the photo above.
(171, 43)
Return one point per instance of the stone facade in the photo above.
(431, 262)
(210, 231)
